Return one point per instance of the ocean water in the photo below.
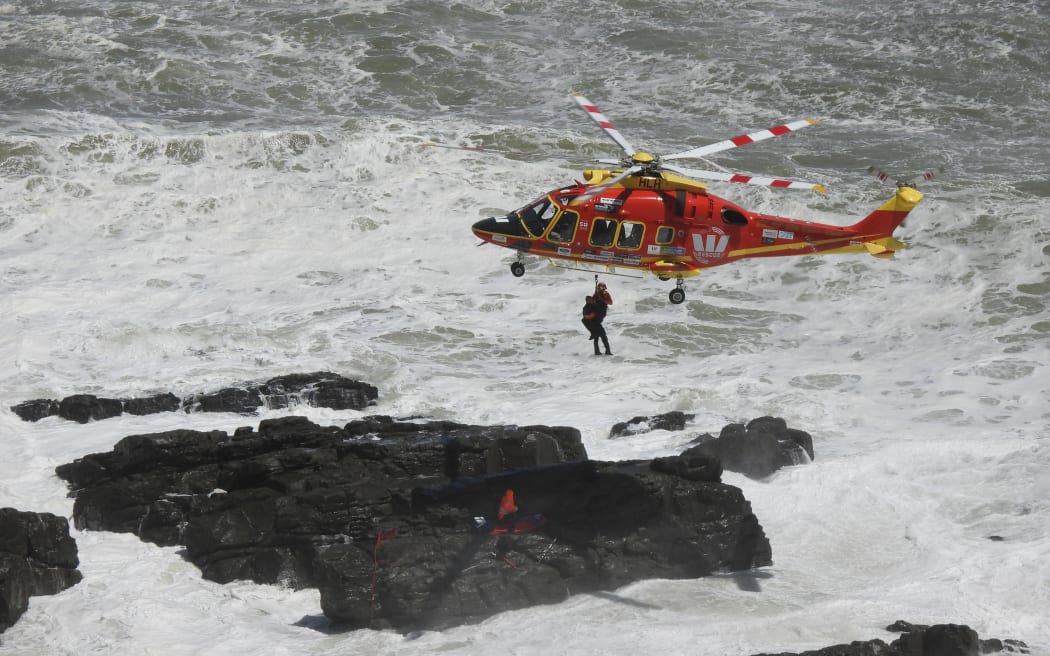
(196, 194)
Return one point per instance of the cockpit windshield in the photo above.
(537, 216)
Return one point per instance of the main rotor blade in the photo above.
(597, 189)
(604, 123)
(476, 149)
(747, 179)
(742, 140)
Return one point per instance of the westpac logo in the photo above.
(712, 244)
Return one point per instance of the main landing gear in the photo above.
(677, 295)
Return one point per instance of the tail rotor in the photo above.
(926, 176)
(882, 176)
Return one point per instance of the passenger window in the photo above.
(630, 235)
(603, 232)
(664, 235)
(565, 227)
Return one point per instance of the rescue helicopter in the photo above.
(645, 215)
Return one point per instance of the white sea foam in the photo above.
(141, 254)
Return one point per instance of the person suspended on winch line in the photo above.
(601, 300)
(601, 293)
(589, 312)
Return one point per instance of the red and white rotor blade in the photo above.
(597, 189)
(928, 175)
(478, 149)
(742, 140)
(604, 123)
(742, 178)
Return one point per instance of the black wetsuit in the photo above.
(600, 310)
(589, 312)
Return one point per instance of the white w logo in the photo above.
(710, 243)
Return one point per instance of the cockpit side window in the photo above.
(602, 232)
(630, 235)
(537, 217)
(565, 227)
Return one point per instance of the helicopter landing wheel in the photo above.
(677, 295)
(518, 269)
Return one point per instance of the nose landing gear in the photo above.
(517, 268)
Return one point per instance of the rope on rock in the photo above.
(381, 536)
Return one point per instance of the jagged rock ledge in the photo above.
(37, 557)
(756, 449)
(321, 389)
(921, 640)
(380, 514)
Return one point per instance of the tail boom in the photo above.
(874, 233)
(883, 221)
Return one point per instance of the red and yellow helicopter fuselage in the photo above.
(670, 226)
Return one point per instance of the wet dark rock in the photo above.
(690, 466)
(395, 502)
(320, 389)
(940, 640)
(149, 405)
(919, 640)
(948, 640)
(83, 408)
(670, 421)
(238, 400)
(607, 525)
(36, 409)
(37, 557)
(855, 648)
(758, 449)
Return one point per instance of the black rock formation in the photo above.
(37, 557)
(671, 421)
(380, 515)
(321, 389)
(919, 640)
(758, 449)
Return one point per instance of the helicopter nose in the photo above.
(488, 226)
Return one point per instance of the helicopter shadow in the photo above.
(747, 580)
(620, 599)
